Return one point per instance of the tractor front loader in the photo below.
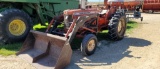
(52, 49)
(46, 50)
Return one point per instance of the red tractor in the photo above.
(86, 23)
(52, 49)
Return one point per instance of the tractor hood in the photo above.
(80, 11)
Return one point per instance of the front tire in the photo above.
(14, 25)
(89, 44)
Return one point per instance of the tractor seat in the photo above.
(102, 13)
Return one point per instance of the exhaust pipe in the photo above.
(83, 4)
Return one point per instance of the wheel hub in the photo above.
(91, 45)
(17, 27)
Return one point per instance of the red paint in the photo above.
(151, 5)
(146, 4)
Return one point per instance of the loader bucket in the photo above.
(46, 51)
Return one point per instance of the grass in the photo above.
(131, 25)
(40, 27)
(11, 49)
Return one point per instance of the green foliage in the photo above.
(131, 25)
(40, 27)
(9, 49)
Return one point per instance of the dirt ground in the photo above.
(138, 50)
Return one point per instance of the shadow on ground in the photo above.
(107, 53)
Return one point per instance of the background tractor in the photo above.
(18, 16)
(131, 7)
(52, 49)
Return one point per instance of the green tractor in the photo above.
(17, 17)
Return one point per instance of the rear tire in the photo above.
(14, 25)
(89, 44)
(117, 27)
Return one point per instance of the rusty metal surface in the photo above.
(46, 51)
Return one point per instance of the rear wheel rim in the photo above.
(17, 27)
(120, 27)
(91, 45)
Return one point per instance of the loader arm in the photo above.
(78, 24)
